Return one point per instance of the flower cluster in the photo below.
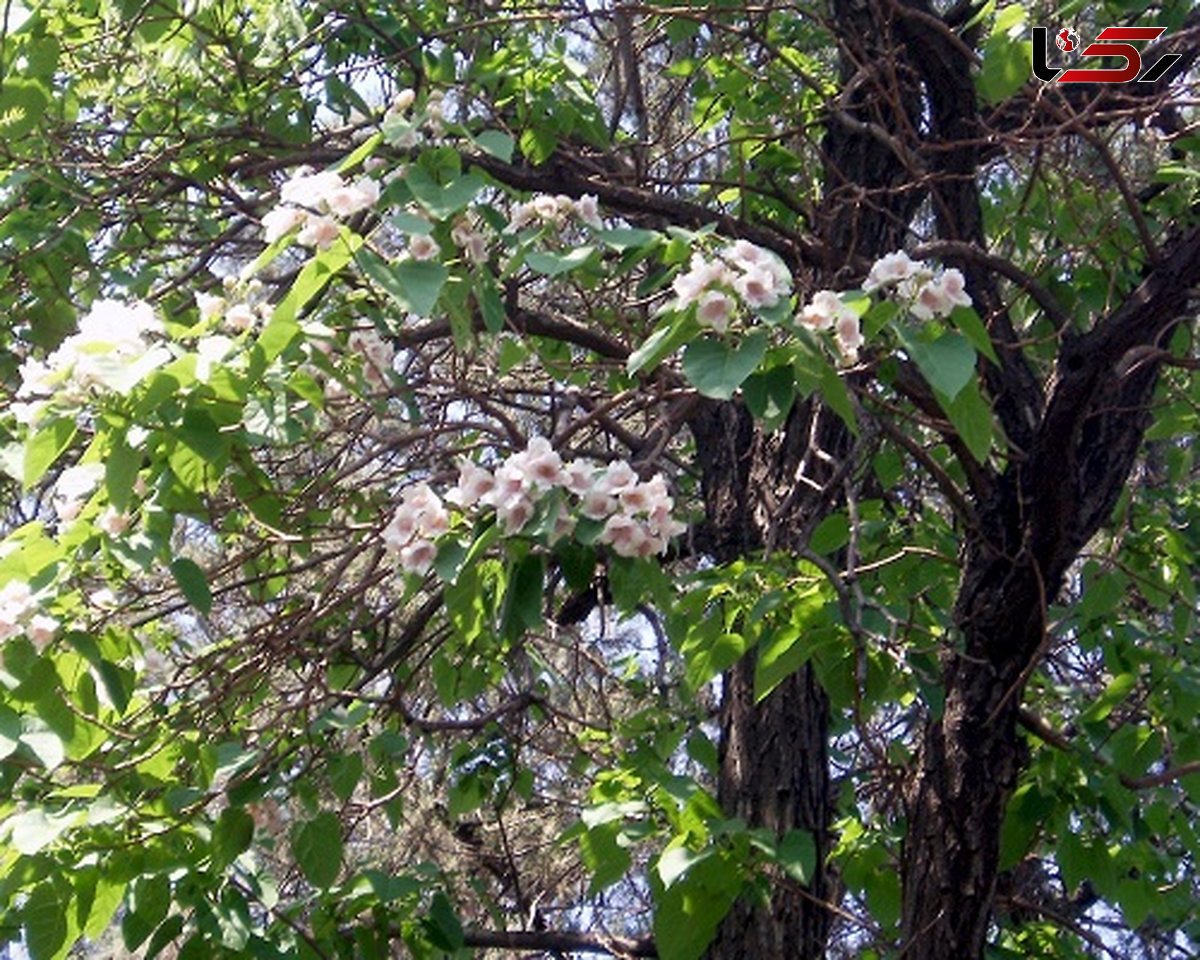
(377, 354)
(418, 521)
(313, 203)
(17, 606)
(636, 514)
(554, 211)
(753, 274)
(109, 352)
(926, 293)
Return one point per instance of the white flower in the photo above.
(954, 287)
(377, 353)
(423, 247)
(758, 287)
(74, 485)
(546, 207)
(37, 378)
(587, 209)
(824, 311)
(41, 630)
(281, 221)
(626, 536)
(240, 317)
(931, 301)
(418, 557)
(210, 306)
(701, 275)
(403, 100)
(597, 504)
(210, 351)
(319, 232)
(849, 337)
(889, 269)
(514, 513)
(113, 522)
(577, 476)
(349, 199)
(465, 236)
(714, 310)
(474, 483)
(747, 256)
(16, 600)
(310, 189)
(616, 478)
(540, 464)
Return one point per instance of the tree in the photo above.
(690, 480)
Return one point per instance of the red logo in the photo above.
(1068, 42)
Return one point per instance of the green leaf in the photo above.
(971, 327)
(831, 534)
(444, 928)
(22, 103)
(797, 854)
(10, 730)
(554, 264)
(345, 771)
(947, 363)
(661, 344)
(688, 913)
(629, 238)
(44, 919)
(443, 201)
(523, 601)
(972, 419)
(231, 836)
(604, 855)
(414, 284)
(317, 847)
(716, 369)
(193, 583)
(149, 900)
(46, 446)
(676, 861)
(770, 395)
(495, 143)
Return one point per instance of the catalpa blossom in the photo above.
(313, 203)
(418, 520)
(423, 247)
(637, 514)
(891, 269)
(109, 351)
(74, 486)
(16, 602)
(554, 210)
(378, 355)
(938, 297)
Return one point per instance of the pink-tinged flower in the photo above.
(310, 189)
(113, 522)
(349, 199)
(889, 269)
(540, 464)
(41, 630)
(616, 477)
(403, 100)
(702, 274)
(418, 557)
(758, 288)
(849, 338)
(625, 535)
(522, 215)
(577, 476)
(423, 247)
(587, 208)
(663, 524)
(400, 529)
(597, 504)
(564, 526)
(954, 287)
(639, 498)
(281, 221)
(210, 306)
(240, 317)
(547, 207)
(514, 513)
(74, 486)
(376, 352)
(16, 599)
(931, 301)
(510, 482)
(318, 232)
(714, 310)
(824, 310)
(748, 256)
(474, 483)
